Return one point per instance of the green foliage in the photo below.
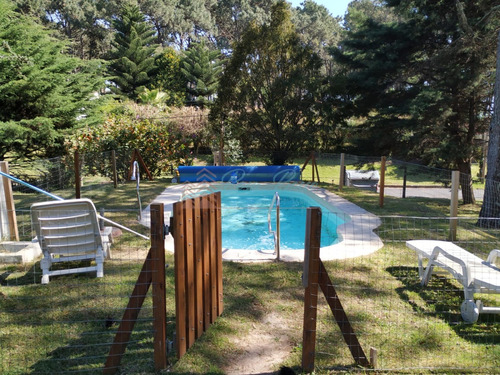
(233, 17)
(42, 89)
(270, 90)
(201, 68)
(160, 144)
(419, 80)
(169, 78)
(132, 60)
(318, 29)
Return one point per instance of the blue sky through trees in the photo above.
(336, 7)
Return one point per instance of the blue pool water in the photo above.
(245, 226)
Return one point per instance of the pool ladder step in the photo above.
(275, 233)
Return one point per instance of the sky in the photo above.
(336, 7)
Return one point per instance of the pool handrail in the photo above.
(276, 234)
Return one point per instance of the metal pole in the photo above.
(404, 183)
(61, 199)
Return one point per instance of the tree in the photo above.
(491, 206)
(169, 77)
(133, 58)
(84, 22)
(43, 90)
(318, 29)
(201, 68)
(422, 83)
(233, 17)
(269, 92)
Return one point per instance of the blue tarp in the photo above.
(272, 173)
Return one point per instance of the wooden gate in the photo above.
(196, 229)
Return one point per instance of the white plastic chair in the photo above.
(475, 275)
(67, 231)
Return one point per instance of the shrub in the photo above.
(160, 144)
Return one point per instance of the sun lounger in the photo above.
(475, 274)
(68, 231)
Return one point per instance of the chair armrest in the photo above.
(494, 254)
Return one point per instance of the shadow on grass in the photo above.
(442, 298)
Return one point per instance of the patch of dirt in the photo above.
(263, 349)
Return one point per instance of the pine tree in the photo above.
(201, 68)
(270, 91)
(132, 60)
(43, 90)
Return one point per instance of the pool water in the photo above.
(245, 226)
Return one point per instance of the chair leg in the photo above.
(99, 260)
(45, 264)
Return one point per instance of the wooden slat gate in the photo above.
(196, 229)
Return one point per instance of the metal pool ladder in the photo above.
(276, 233)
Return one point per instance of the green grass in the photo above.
(62, 325)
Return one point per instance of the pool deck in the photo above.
(357, 234)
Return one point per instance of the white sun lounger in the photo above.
(68, 231)
(475, 274)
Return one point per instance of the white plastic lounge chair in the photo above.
(68, 230)
(475, 274)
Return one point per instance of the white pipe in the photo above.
(61, 199)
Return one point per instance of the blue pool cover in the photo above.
(272, 173)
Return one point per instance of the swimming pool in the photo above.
(348, 229)
(245, 211)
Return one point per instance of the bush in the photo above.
(160, 144)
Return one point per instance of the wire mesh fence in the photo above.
(411, 327)
(68, 325)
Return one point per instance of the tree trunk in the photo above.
(466, 182)
(491, 201)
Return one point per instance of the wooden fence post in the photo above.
(455, 183)
(342, 171)
(310, 280)
(9, 203)
(158, 281)
(382, 181)
(77, 175)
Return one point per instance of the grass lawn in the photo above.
(67, 325)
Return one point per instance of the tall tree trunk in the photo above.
(464, 168)
(491, 201)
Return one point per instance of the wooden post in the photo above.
(113, 166)
(455, 182)
(207, 308)
(158, 281)
(180, 279)
(342, 171)
(77, 175)
(9, 203)
(218, 250)
(373, 357)
(382, 181)
(311, 278)
(198, 259)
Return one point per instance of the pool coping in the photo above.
(358, 237)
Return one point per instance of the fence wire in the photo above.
(410, 326)
(68, 325)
